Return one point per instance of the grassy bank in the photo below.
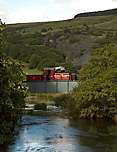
(35, 98)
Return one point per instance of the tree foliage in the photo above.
(12, 92)
(1, 35)
(96, 96)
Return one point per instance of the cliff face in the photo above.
(64, 42)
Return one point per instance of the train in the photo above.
(53, 73)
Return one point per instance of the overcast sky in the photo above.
(15, 11)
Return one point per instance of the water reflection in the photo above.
(100, 136)
(55, 134)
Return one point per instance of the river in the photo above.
(56, 134)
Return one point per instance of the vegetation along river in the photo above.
(56, 134)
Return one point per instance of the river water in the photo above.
(56, 134)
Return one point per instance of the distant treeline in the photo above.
(98, 13)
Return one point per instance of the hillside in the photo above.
(66, 42)
(98, 13)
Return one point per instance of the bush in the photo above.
(82, 51)
(64, 101)
(74, 39)
(96, 96)
(34, 61)
(12, 93)
(44, 30)
(40, 106)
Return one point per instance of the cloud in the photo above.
(4, 13)
(41, 12)
(12, 11)
(27, 15)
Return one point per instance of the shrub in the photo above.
(44, 30)
(12, 93)
(82, 51)
(40, 106)
(64, 101)
(96, 96)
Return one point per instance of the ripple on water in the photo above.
(55, 134)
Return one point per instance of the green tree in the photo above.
(1, 35)
(34, 61)
(96, 96)
(12, 92)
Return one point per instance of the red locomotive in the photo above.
(52, 73)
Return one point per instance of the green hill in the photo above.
(66, 42)
(98, 13)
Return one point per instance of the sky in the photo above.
(21, 11)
